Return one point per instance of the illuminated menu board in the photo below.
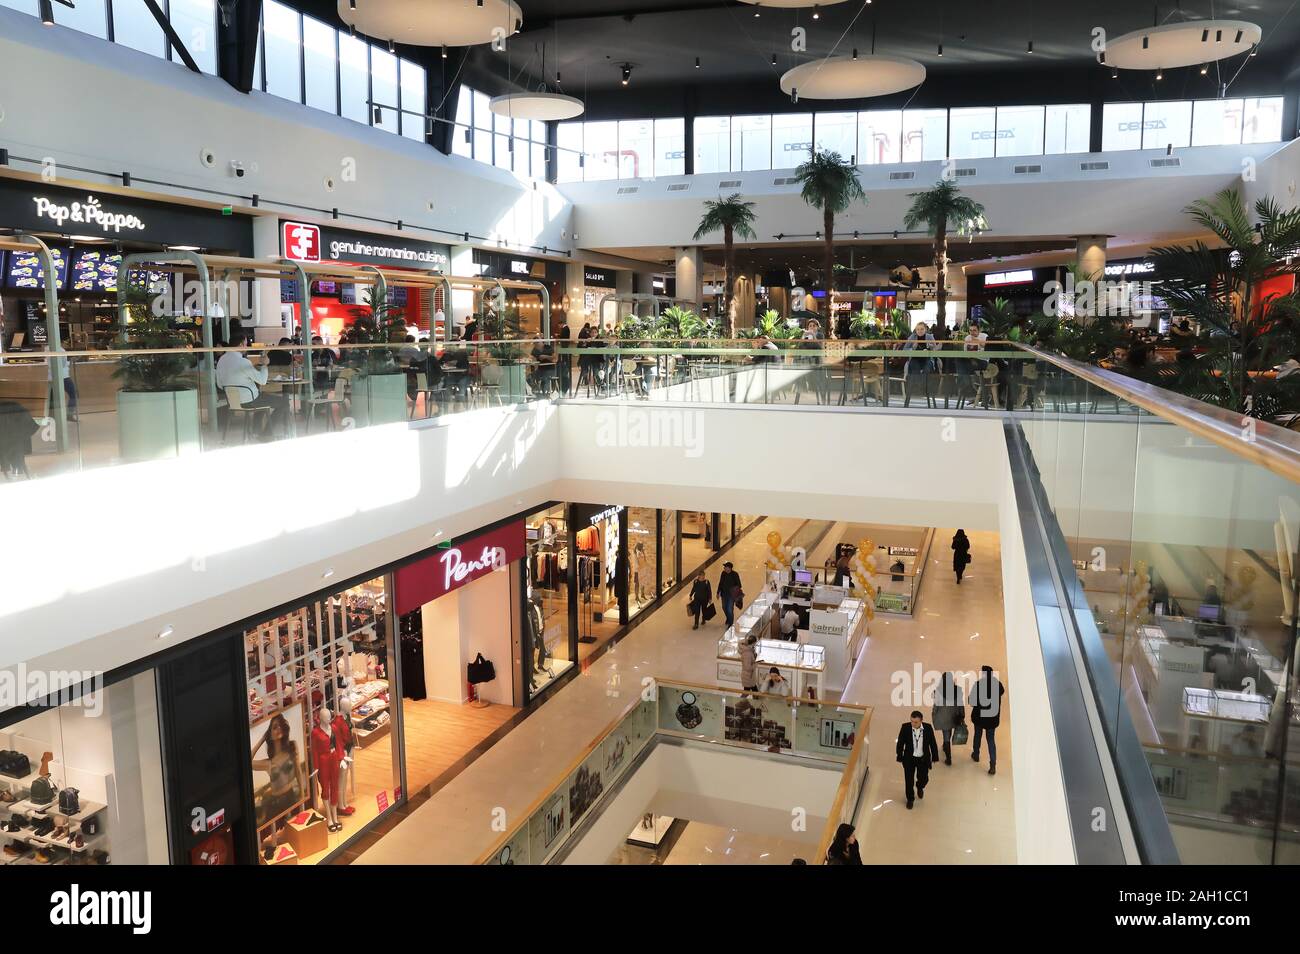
(25, 269)
(95, 270)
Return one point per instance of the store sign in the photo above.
(823, 624)
(304, 242)
(519, 268)
(300, 241)
(1021, 277)
(1131, 268)
(90, 212)
(606, 514)
(598, 276)
(456, 565)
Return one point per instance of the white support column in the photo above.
(462, 299)
(689, 283)
(265, 299)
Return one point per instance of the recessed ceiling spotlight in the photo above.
(817, 12)
(1205, 68)
(1160, 74)
(757, 10)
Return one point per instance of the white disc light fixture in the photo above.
(433, 22)
(544, 107)
(848, 77)
(1181, 44)
(790, 4)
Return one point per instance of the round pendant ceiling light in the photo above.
(433, 22)
(544, 107)
(792, 4)
(1181, 44)
(847, 77)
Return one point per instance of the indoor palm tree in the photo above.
(734, 217)
(1244, 326)
(943, 210)
(830, 183)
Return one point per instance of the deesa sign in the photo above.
(89, 212)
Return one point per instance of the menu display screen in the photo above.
(25, 270)
(95, 270)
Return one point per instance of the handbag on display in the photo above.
(710, 611)
(69, 801)
(960, 734)
(44, 790)
(14, 764)
(688, 713)
(480, 670)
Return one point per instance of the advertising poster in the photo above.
(756, 720)
(586, 785)
(547, 826)
(515, 851)
(826, 729)
(690, 710)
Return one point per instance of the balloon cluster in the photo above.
(862, 569)
(778, 556)
(1137, 593)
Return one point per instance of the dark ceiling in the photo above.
(985, 57)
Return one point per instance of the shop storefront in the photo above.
(88, 232)
(551, 641)
(596, 284)
(523, 309)
(81, 782)
(336, 304)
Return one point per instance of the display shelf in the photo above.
(365, 737)
(88, 808)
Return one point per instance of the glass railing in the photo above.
(1180, 524)
(780, 725)
(126, 406)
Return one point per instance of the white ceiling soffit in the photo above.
(539, 106)
(846, 77)
(1180, 44)
(433, 22)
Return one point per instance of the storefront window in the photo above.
(925, 134)
(1067, 129)
(879, 134)
(670, 147)
(548, 652)
(281, 36)
(712, 144)
(354, 78)
(1121, 126)
(320, 718)
(83, 781)
(1020, 131)
(751, 143)
(791, 140)
(668, 547)
(837, 132)
(636, 155)
(697, 540)
(1167, 124)
(973, 132)
(597, 531)
(600, 140)
(320, 64)
(642, 551)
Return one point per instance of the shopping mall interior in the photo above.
(649, 432)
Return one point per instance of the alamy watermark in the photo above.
(1101, 298)
(651, 427)
(83, 688)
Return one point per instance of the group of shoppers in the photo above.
(917, 746)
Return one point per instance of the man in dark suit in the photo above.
(917, 750)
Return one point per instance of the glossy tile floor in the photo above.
(966, 816)
(701, 844)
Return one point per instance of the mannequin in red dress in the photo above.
(326, 750)
(343, 747)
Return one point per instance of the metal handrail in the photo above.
(1259, 442)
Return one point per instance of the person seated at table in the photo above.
(280, 358)
(234, 370)
(774, 684)
(764, 343)
(455, 367)
(544, 373)
(322, 359)
(410, 356)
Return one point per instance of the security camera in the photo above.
(237, 168)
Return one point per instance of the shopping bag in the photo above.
(960, 734)
(710, 611)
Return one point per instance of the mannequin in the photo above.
(342, 727)
(326, 749)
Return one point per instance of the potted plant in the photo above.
(943, 210)
(830, 183)
(503, 359)
(158, 404)
(735, 217)
(379, 393)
